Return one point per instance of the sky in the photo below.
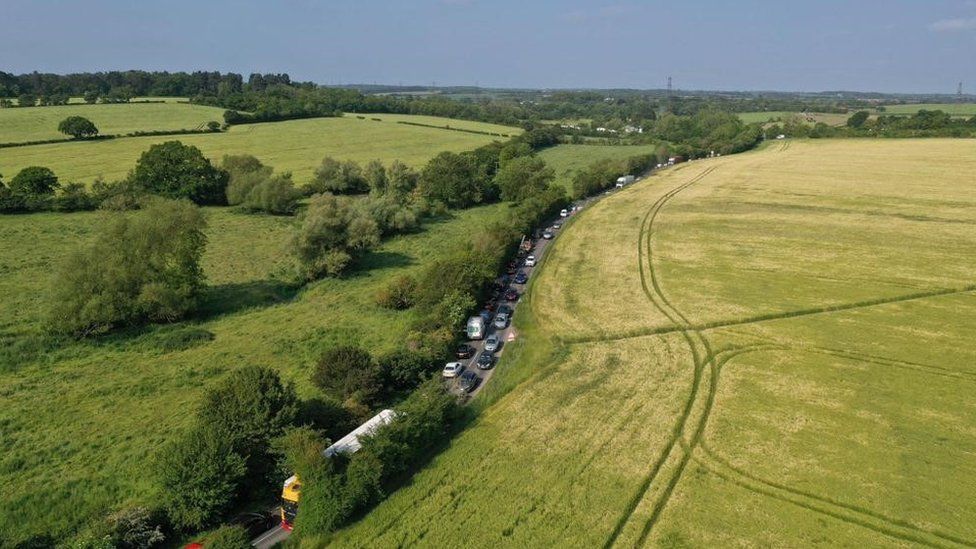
(863, 45)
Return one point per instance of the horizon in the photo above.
(874, 47)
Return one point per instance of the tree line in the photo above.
(924, 123)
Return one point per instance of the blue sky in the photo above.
(868, 45)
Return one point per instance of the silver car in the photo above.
(501, 321)
(492, 343)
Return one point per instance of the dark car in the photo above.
(521, 277)
(486, 360)
(254, 524)
(468, 381)
(505, 310)
(511, 295)
(512, 268)
(464, 351)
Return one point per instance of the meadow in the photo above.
(297, 146)
(80, 421)
(568, 160)
(766, 349)
(40, 123)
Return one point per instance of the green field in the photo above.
(955, 109)
(771, 349)
(567, 160)
(832, 119)
(79, 422)
(440, 122)
(296, 145)
(39, 123)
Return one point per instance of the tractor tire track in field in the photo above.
(863, 517)
(917, 296)
(699, 357)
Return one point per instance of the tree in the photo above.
(338, 177)
(34, 181)
(857, 119)
(199, 474)
(452, 179)
(91, 97)
(77, 127)
(175, 170)
(333, 232)
(26, 100)
(276, 195)
(134, 528)
(522, 177)
(401, 179)
(141, 267)
(347, 372)
(229, 537)
(252, 406)
(375, 176)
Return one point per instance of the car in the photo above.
(486, 360)
(486, 315)
(505, 309)
(452, 369)
(512, 268)
(492, 343)
(521, 278)
(501, 321)
(464, 351)
(468, 381)
(563, 213)
(490, 306)
(547, 235)
(511, 295)
(530, 261)
(557, 226)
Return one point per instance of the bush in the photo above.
(252, 406)
(338, 177)
(347, 373)
(78, 127)
(405, 370)
(34, 181)
(135, 528)
(141, 267)
(393, 214)
(398, 294)
(74, 197)
(228, 537)
(199, 474)
(175, 170)
(275, 195)
(333, 232)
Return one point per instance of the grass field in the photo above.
(955, 109)
(441, 122)
(567, 160)
(296, 145)
(78, 423)
(39, 123)
(767, 349)
(832, 119)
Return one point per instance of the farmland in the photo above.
(296, 145)
(81, 420)
(832, 119)
(955, 109)
(40, 123)
(567, 160)
(767, 349)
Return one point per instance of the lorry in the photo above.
(476, 328)
(625, 180)
(349, 444)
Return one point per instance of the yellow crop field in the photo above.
(767, 349)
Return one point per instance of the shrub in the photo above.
(252, 406)
(347, 373)
(141, 267)
(405, 370)
(199, 474)
(74, 197)
(398, 294)
(228, 537)
(333, 232)
(393, 215)
(78, 127)
(338, 177)
(135, 528)
(275, 195)
(34, 181)
(175, 170)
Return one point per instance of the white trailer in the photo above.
(476, 328)
(625, 180)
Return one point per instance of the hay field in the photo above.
(80, 421)
(801, 373)
(39, 123)
(295, 145)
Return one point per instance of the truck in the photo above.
(625, 180)
(476, 328)
(349, 444)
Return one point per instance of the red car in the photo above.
(511, 295)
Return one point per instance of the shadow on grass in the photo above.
(374, 261)
(231, 298)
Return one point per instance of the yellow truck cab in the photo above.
(349, 444)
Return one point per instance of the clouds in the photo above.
(956, 24)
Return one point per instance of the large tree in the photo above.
(34, 181)
(141, 267)
(333, 232)
(78, 127)
(175, 170)
(523, 177)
